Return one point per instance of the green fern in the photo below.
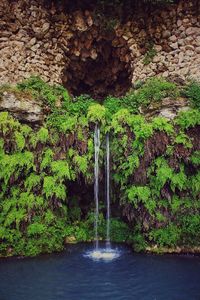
(20, 141)
(188, 118)
(51, 187)
(195, 158)
(184, 139)
(81, 163)
(96, 113)
(179, 180)
(42, 135)
(47, 159)
(32, 181)
(61, 170)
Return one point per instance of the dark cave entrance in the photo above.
(98, 66)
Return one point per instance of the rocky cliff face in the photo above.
(77, 49)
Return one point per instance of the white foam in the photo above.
(103, 254)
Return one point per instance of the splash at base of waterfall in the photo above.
(103, 254)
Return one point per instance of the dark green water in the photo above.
(72, 276)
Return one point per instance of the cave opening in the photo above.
(98, 66)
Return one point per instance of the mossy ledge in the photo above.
(46, 169)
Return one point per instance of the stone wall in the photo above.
(175, 34)
(45, 40)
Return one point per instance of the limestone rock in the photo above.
(45, 27)
(158, 48)
(167, 113)
(25, 109)
(166, 34)
(174, 45)
(192, 30)
(179, 23)
(168, 108)
(173, 38)
(197, 50)
(32, 41)
(39, 40)
(70, 240)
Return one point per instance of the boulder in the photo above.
(23, 107)
(168, 108)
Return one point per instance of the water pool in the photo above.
(72, 275)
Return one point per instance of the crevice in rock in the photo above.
(98, 64)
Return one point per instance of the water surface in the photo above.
(72, 276)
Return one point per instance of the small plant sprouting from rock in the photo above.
(150, 54)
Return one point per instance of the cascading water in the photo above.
(97, 254)
(108, 191)
(96, 182)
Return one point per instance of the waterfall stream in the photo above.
(108, 191)
(96, 183)
(98, 253)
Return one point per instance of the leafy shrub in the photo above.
(162, 171)
(184, 139)
(190, 229)
(155, 89)
(195, 158)
(138, 239)
(20, 141)
(81, 163)
(96, 113)
(62, 121)
(113, 104)
(79, 105)
(192, 91)
(179, 180)
(169, 236)
(42, 135)
(162, 124)
(43, 90)
(119, 231)
(52, 187)
(129, 101)
(189, 118)
(142, 195)
(61, 170)
(32, 181)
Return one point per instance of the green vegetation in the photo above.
(155, 171)
(52, 95)
(151, 52)
(152, 91)
(192, 91)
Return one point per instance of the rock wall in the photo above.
(63, 47)
(175, 35)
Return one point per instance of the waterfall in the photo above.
(96, 186)
(107, 164)
(96, 183)
(108, 253)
